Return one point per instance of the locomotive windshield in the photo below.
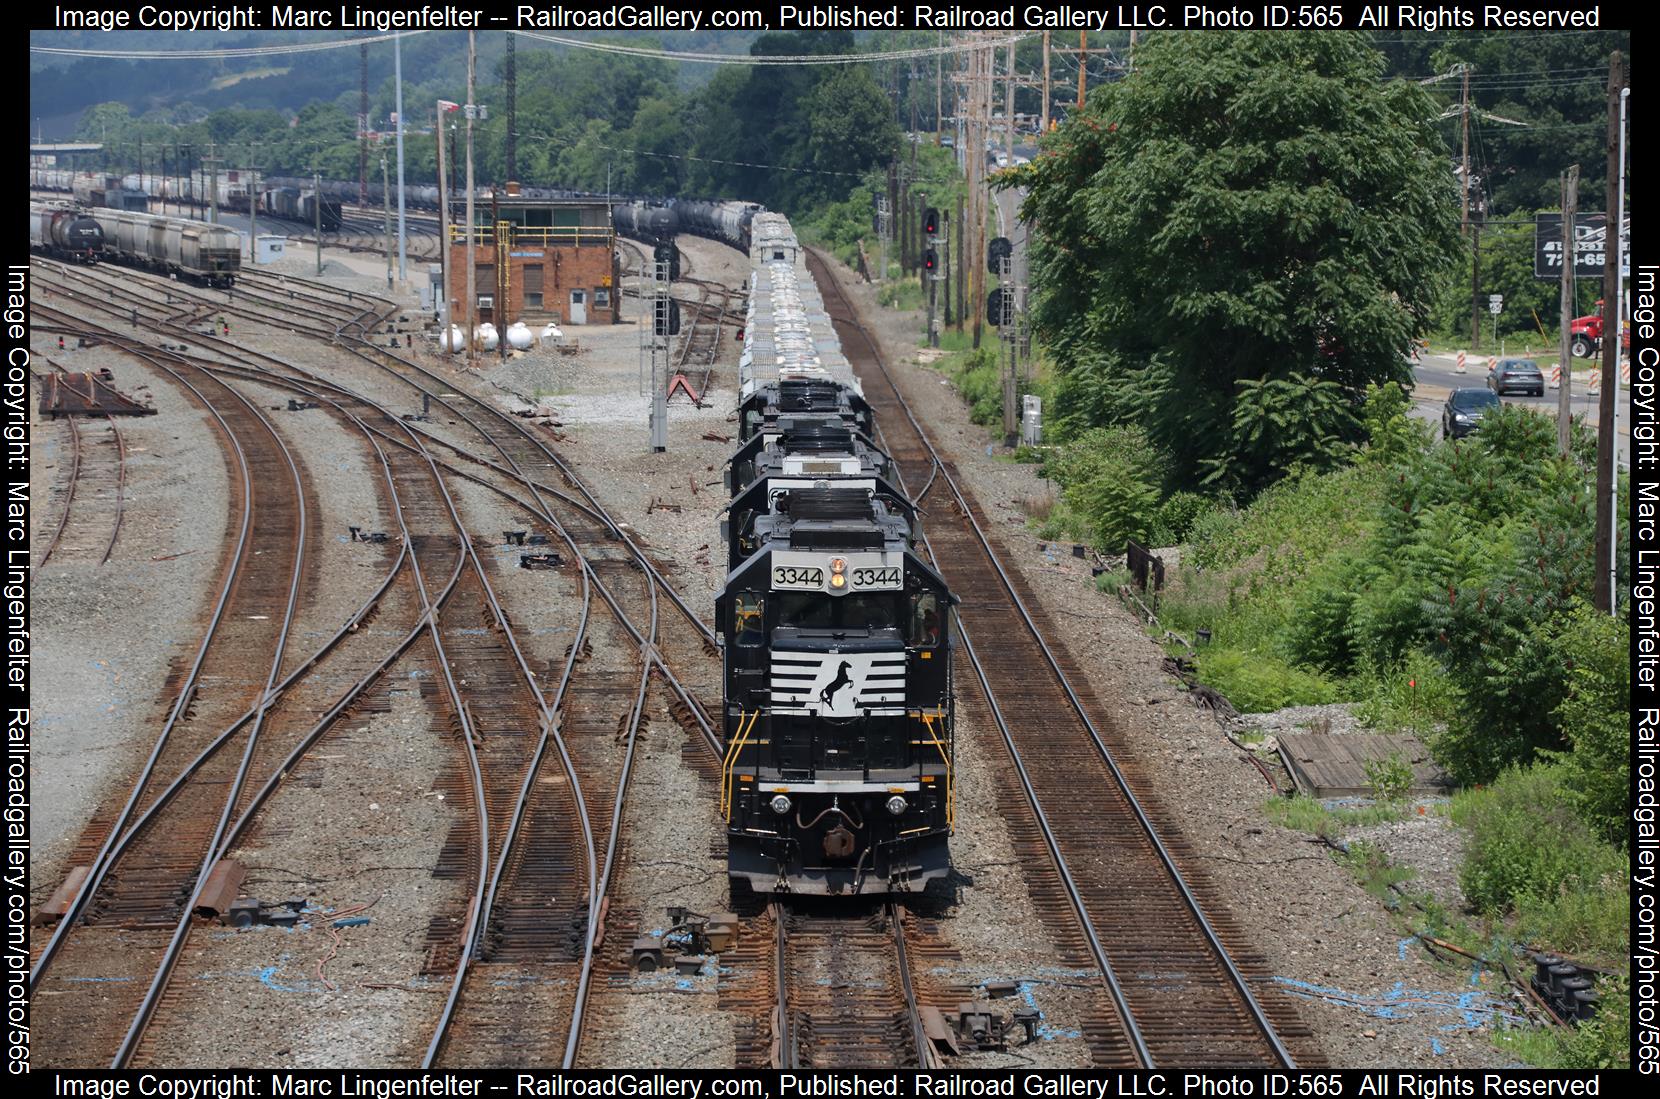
(925, 620)
(856, 611)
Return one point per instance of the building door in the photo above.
(579, 307)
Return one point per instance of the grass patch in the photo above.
(1375, 873)
(1257, 683)
(1305, 814)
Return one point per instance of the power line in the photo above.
(762, 59)
(239, 51)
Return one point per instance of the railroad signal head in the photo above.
(929, 260)
(931, 222)
(994, 308)
(997, 249)
(666, 322)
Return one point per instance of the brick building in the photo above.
(561, 261)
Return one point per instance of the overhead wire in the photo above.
(231, 51)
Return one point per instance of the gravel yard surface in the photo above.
(1372, 997)
(104, 636)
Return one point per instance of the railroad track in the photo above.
(1179, 994)
(578, 509)
(97, 476)
(126, 943)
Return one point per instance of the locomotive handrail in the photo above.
(731, 760)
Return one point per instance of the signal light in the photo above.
(931, 221)
(929, 260)
(838, 572)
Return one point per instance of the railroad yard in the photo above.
(383, 642)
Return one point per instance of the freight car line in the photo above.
(1179, 993)
(150, 897)
(94, 462)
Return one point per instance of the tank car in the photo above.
(644, 222)
(65, 232)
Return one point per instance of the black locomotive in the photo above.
(839, 766)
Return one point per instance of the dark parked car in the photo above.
(1517, 376)
(1464, 409)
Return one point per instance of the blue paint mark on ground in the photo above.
(1470, 1009)
(1402, 945)
(1437, 1048)
(268, 978)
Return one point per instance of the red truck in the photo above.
(1586, 334)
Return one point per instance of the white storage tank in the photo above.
(452, 340)
(519, 337)
(485, 336)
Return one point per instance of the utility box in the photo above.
(1031, 421)
(269, 248)
(431, 288)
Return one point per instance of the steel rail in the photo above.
(182, 928)
(69, 496)
(1259, 1016)
(100, 863)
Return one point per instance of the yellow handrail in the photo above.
(950, 792)
(732, 750)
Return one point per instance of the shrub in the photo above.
(1118, 505)
(1595, 716)
(1175, 517)
(1260, 683)
(1526, 844)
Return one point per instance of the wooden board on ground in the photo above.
(1325, 765)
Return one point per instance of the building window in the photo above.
(533, 300)
(602, 298)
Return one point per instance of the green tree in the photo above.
(1243, 208)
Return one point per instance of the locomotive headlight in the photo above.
(838, 572)
(780, 804)
(897, 805)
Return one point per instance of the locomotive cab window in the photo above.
(855, 611)
(925, 620)
(749, 618)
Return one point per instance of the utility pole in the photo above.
(1043, 124)
(1570, 203)
(253, 204)
(386, 215)
(1008, 106)
(945, 266)
(511, 72)
(1464, 110)
(939, 92)
(1475, 287)
(1006, 336)
(1083, 65)
(397, 62)
(317, 214)
(472, 272)
(212, 164)
(962, 266)
(1604, 593)
(443, 233)
(363, 125)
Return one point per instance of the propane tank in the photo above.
(485, 335)
(452, 340)
(550, 334)
(519, 337)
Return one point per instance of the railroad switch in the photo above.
(243, 912)
(301, 406)
(1026, 1018)
(1565, 987)
(377, 537)
(540, 560)
(416, 418)
(514, 537)
(647, 954)
(979, 1027)
(282, 916)
(689, 965)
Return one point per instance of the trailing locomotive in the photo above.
(837, 776)
(65, 232)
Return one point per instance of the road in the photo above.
(1437, 375)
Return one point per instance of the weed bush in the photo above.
(1526, 843)
(1258, 683)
